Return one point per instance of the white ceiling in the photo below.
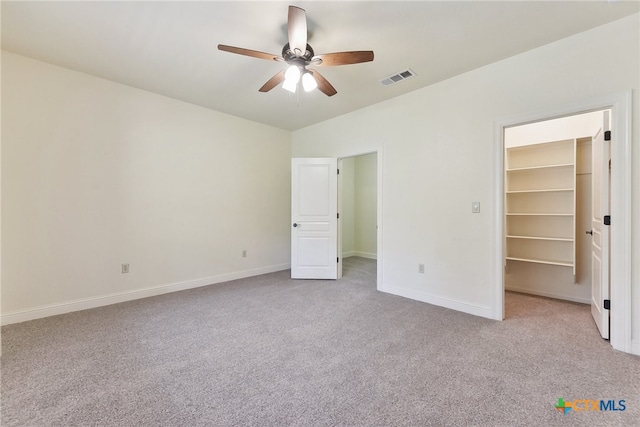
(170, 48)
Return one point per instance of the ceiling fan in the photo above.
(298, 54)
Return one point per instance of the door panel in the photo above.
(600, 240)
(314, 209)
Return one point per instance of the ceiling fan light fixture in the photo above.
(308, 82)
(288, 85)
(291, 78)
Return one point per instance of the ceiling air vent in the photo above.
(398, 77)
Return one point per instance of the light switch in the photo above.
(475, 207)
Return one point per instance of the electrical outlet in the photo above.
(125, 268)
(244, 253)
(421, 268)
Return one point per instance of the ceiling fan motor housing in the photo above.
(291, 57)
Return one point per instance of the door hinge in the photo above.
(607, 135)
(338, 171)
(338, 215)
(607, 304)
(607, 220)
(338, 259)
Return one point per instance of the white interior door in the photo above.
(314, 211)
(600, 232)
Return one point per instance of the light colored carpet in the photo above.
(271, 351)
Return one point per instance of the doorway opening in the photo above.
(620, 307)
(358, 209)
(552, 190)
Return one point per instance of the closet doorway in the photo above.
(554, 194)
(357, 204)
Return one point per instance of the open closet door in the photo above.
(314, 211)
(600, 233)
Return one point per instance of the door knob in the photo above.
(589, 232)
(295, 224)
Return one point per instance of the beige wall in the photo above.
(348, 207)
(576, 126)
(366, 205)
(96, 174)
(358, 213)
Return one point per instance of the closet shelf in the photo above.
(555, 239)
(542, 261)
(542, 190)
(537, 214)
(550, 166)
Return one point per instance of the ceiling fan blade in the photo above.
(273, 82)
(249, 52)
(297, 29)
(323, 84)
(345, 58)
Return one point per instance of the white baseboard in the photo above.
(548, 294)
(635, 347)
(369, 255)
(465, 307)
(100, 301)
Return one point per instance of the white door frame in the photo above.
(620, 209)
(379, 264)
